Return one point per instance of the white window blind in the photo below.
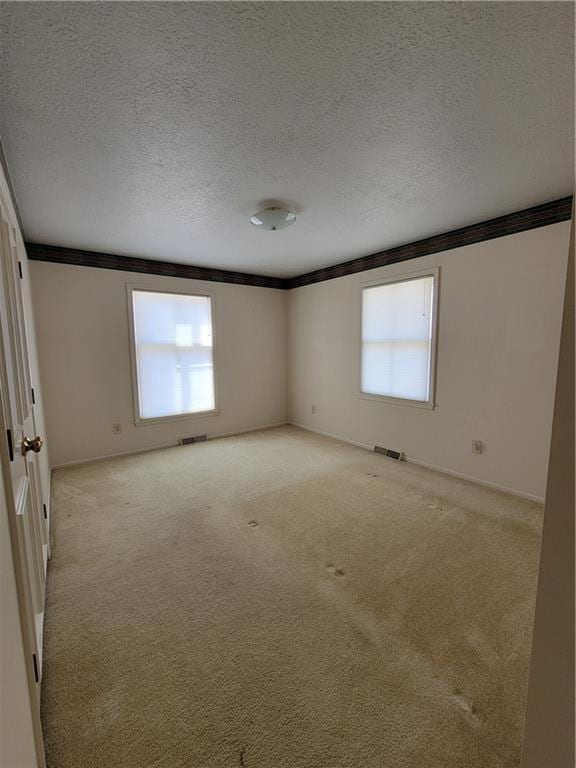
(173, 351)
(397, 339)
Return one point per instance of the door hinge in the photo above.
(10, 445)
(45, 512)
(20, 269)
(33, 397)
(34, 659)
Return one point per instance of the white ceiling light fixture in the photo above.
(273, 218)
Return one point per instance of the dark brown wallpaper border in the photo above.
(54, 253)
(520, 221)
(529, 218)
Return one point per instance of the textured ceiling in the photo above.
(156, 129)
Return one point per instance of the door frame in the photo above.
(23, 588)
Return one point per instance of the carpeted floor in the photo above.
(281, 600)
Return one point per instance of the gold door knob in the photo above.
(32, 445)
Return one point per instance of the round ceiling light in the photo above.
(273, 219)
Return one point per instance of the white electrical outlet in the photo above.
(116, 429)
(477, 446)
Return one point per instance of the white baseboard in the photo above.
(478, 481)
(136, 451)
(330, 435)
(427, 465)
(106, 456)
(250, 429)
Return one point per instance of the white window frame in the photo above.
(138, 420)
(430, 404)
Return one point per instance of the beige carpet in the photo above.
(283, 600)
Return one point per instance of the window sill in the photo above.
(398, 401)
(178, 417)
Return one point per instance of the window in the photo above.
(398, 329)
(173, 354)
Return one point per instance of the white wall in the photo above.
(500, 305)
(82, 334)
(498, 336)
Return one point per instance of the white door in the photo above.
(24, 496)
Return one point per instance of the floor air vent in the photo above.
(396, 455)
(193, 439)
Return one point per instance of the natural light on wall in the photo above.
(397, 331)
(173, 354)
